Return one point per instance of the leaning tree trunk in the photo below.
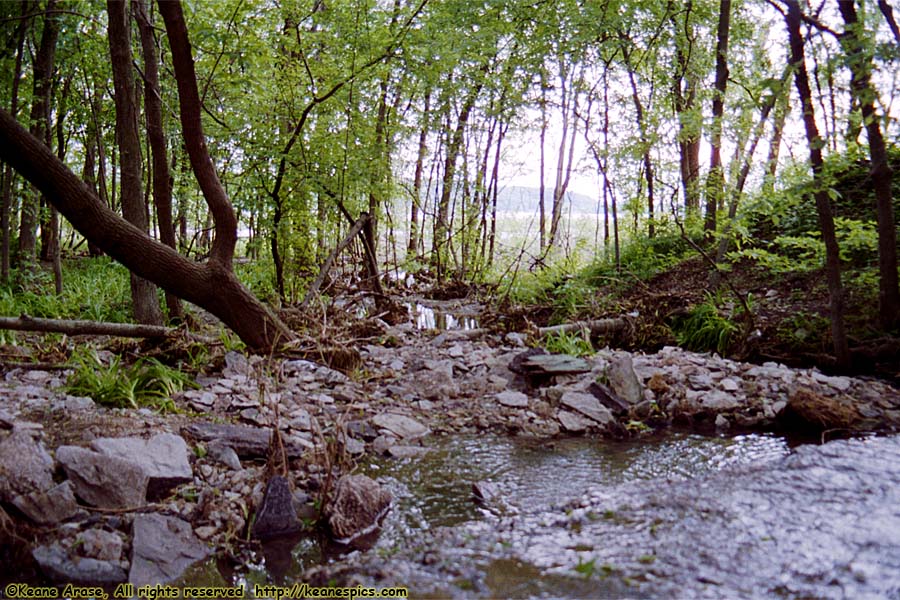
(861, 87)
(212, 285)
(823, 207)
(144, 301)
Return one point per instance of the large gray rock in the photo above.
(162, 548)
(164, 457)
(623, 380)
(587, 405)
(60, 567)
(358, 508)
(401, 426)
(25, 466)
(104, 481)
(51, 507)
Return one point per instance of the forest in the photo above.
(349, 227)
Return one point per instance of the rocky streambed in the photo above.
(105, 495)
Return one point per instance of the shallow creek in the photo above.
(521, 543)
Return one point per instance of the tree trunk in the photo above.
(161, 177)
(40, 126)
(212, 286)
(684, 87)
(888, 13)
(823, 207)
(543, 185)
(648, 163)
(412, 246)
(715, 182)
(8, 174)
(143, 293)
(860, 64)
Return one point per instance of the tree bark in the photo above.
(413, 245)
(823, 207)
(40, 126)
(8, 174)
(162, 178)
(645, 142)
(861, 87)
(144, 301)
(715, 182)
(212, 286)
(684, 87)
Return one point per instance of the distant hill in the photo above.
(515, 198)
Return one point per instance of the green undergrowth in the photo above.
(145, 383)
(575, 344)
(93, 288)
(708, 327)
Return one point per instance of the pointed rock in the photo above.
(276, 515)
(623, 380)
(358, 508)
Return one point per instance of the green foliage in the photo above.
(147, 382)
(95, 289)
(705, 329)
(575, 344)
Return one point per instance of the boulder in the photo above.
(51, 507)
(246, 441)
(164, 457)
(25, 465)
(162, 548)
(104, 481)
(574, 422)
(359, 505)
(101, 544)
(56, 563)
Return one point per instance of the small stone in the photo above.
(722, 422)
(223, 453)
(623, 380)
(382, 443)
(719, 401)
(515, 338)
(101, 544)
(402, 426)
(512, 398)
(399, 451)
(573, 422)
(729, 385)
(353, 446)
(206, 532)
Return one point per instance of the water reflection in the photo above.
(428, 317)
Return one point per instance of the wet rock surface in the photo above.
(162, 548)
(411, 392)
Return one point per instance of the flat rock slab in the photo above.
(512, 399)
(245, 440)
(51, 507)
(162, 548)
(400, 425)
(555, 364)
(164, 457)
(587, 405)
(400, 451)
(58, 566)
(574, 422)
(104, 481)
(276, 516)
(26, 466)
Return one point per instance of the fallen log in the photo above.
(83, 327)
(595, 327)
